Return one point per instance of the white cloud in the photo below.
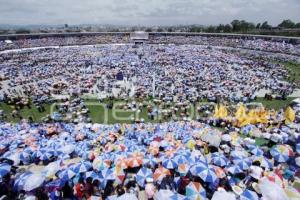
(146, 11)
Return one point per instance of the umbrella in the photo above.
(160, 173)
(208, 174)
(243, 163)
(20, 181)
(107, 174)
(183, 169)
(194, 190)
(127, 196)
(281, 153)
(181, 159)
(223, 195)
(4, 169)
(56, 184)
(142, 175)
(82, 167)
(257, 151)
(234, 169)
(264, 162)
(91, 174)
(119, 174)
(135, 161)
(219, 159)
(249, 195)
(122, 162)
(100, 164)
(169, 163)
(66, 174)
(150, 161)
(163, 195)
(51, 169)
(33, 181)
(265, 186)
(177, 196)
(298, 148)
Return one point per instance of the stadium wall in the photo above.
(293, 40)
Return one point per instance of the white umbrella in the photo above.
(127, 196)
(265, 186)
(163, 195)
(34, 181)
(51, 169)
(223, 195)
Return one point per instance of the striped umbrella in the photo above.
(150, 161)
(4, 169)
(298, 148)
(92, 174)
(257, 151)
(196, 169)
(25, 155)
(169, 163)
(249, 195)
(194, 190)
(119, 174)
(106, 175)
(281, 153)
(135, 161)
(66, 174)
(243, 163)
(20, 181)
(234, 169)
(208, 174)
(178, 196)
(264, 162)
(142, 175)
(160, 173)
(99, 163)
(181, 159)
(219, 159)
(82, 167)
(183, 169)
(122, 162)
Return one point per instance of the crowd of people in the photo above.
(182, 160)
(256, 44)
(184, 71)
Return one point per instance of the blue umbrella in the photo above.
(150, 161)
(249, 195)
(257, 151)
(106, 175)
(177, 196)
(219, 159)
(208, 175)
(169, 163)
(66, 174)
(56, 184)
(181, 159)
(298, 148)
(20, 181)
(280, 153)
(234, 169)
(264, 162)
(82, 167)
(142, 175)
(197, 168)
(4, 169)
(92, 174)
(243, 163)
(25, 155)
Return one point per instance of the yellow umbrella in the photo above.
(289, 115)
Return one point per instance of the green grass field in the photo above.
(98, 115)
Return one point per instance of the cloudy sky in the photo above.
(146, 12)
